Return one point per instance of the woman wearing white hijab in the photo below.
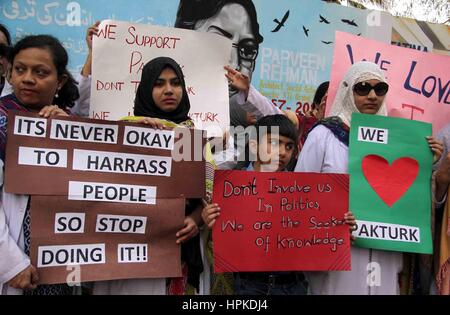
(363, 89)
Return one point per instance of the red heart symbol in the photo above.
(390, 182)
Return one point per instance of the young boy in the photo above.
(274, 143)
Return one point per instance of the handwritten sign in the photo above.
(390, 192)
(99, 160)
(280, 221)
(419, 84)
(103, 241)
(122, 49)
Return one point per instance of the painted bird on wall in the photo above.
(280, 24)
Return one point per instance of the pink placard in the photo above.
(418, 81)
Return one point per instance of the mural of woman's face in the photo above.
(233, 22)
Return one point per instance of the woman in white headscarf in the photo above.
(363, 89)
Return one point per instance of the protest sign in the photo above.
(390, 191)
(201, 56)
(280, 221)
(107, 197)
(103, 240)
(102, 160)
(419, 86)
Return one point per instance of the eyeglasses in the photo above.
(247, 49)
(364, 88)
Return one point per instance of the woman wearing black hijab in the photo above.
(162, 92)
(162, 101)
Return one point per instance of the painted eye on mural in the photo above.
(247, 49)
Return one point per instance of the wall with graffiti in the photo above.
(286, 46)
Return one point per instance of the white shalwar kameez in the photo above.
(373, 272)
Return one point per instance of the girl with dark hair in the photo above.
(5, 43)
(5, 37)
(162, 101)
(319, 101)
(41, 84)
(169, 102)
(50, 60)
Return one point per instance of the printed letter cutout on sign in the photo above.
(105, 239)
